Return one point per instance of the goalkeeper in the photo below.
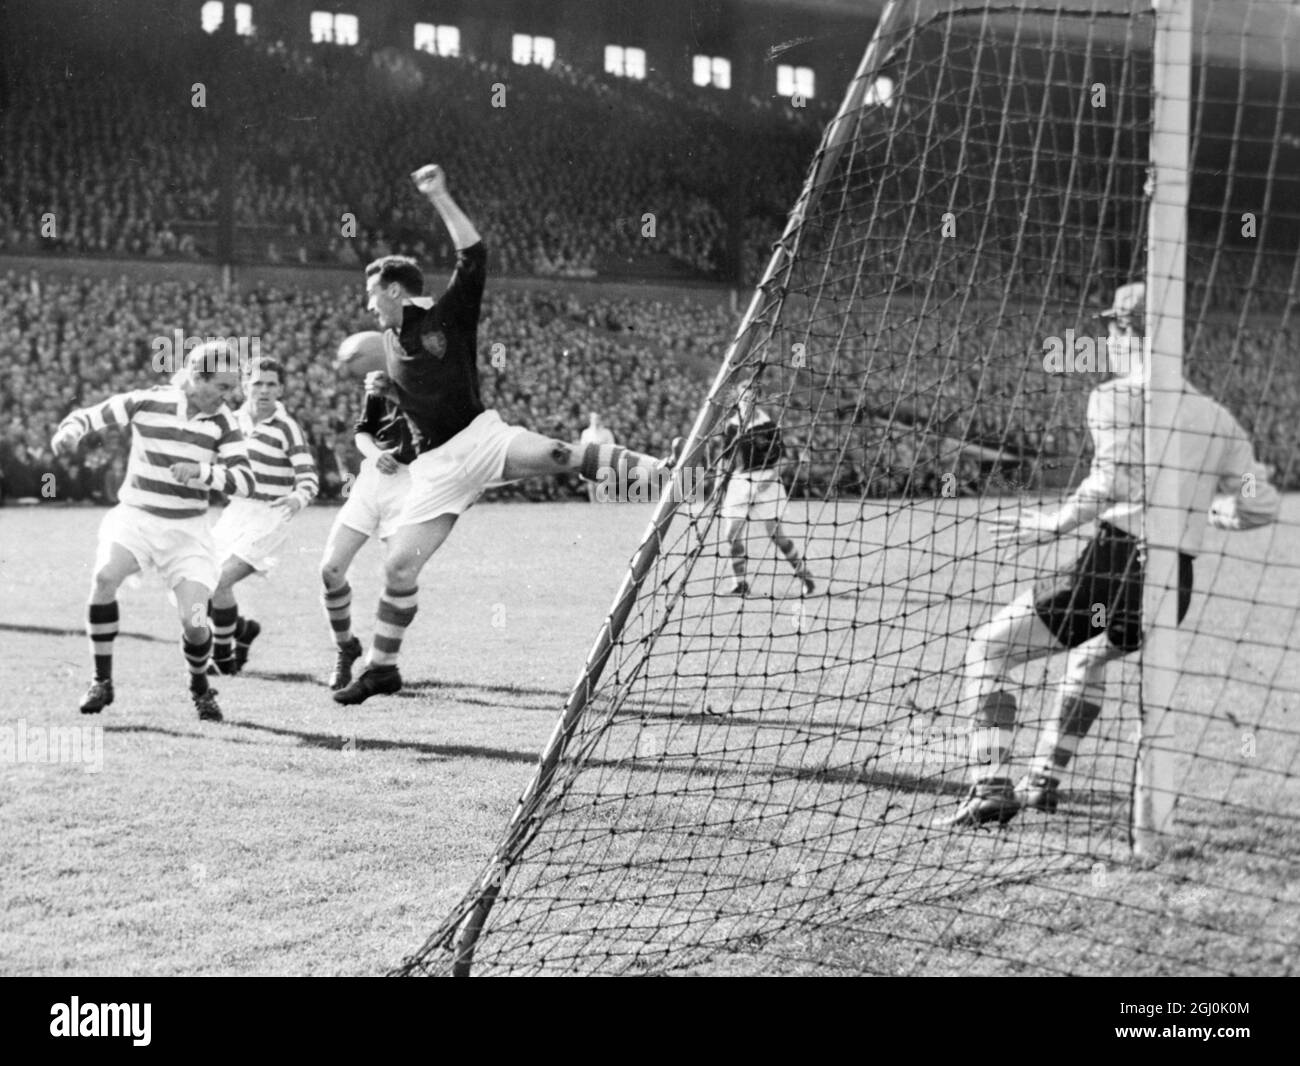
(1093, 606)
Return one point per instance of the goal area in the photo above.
(758, 783)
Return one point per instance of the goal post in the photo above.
(1154, 790)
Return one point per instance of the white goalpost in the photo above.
(1154, 787)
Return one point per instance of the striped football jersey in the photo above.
(164, 433)
(282, 463)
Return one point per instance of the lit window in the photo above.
(322, 27)
(625, 62)
(327, 28)
(346, 29)
(881, 92)
(213, 13)
(712, 70)
(794, 81)
(525, 49)
(437, 40)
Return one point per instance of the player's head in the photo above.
(390, 281)
(1126, 319)
(595, 419)
(210, 376)
(263, 384)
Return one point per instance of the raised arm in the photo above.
(432, 182)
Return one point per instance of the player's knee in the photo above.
(401, 572)
(784, 544)
(332, 574)
(195, 634)
(103, 586)
(738, 548)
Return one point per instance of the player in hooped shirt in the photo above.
(431, 348)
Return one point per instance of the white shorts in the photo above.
(180, 549)
(448, 479)
(754, 497)
(251, 530)
(375, 500)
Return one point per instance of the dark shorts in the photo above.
(1101, 592)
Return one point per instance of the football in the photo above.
(361, 353)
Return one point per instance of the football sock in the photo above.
(397, 609)
(223, 631)
(338, 609)
(992, 742)
(614, 465)
(738, 559)
(1060, 740)
(196, 656)
(101, 628)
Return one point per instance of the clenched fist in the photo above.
(430, 180)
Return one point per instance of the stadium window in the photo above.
(213, 13)
(437, 40)
(791, 81)
(881, 92)
(625, 62)
(712, 70)
(526, 49)
(327, 28)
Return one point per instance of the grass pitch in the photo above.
(300, 837)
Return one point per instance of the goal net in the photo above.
(759, 783)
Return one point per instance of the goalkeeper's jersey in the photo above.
(756, 446)
(1215, 458)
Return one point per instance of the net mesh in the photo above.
(757, 783)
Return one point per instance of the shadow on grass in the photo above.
(57, 631)
(334, 741)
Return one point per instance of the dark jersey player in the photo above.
(752, 450)
(431, 348)
(374, 501)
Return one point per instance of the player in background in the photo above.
(184, 443)
(374, 501)
(752, 445)
(251, 531)
(431, 348)
(1224, 486)
(595, 433)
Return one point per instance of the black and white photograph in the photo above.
(706, 488)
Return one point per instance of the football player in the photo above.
(430, 348)
(1228, 488)
(252, 531)
(185, 442)
(753, 450)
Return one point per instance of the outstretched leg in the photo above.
(614, 469)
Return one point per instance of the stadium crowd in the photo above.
(549, 358)
(560, 188)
